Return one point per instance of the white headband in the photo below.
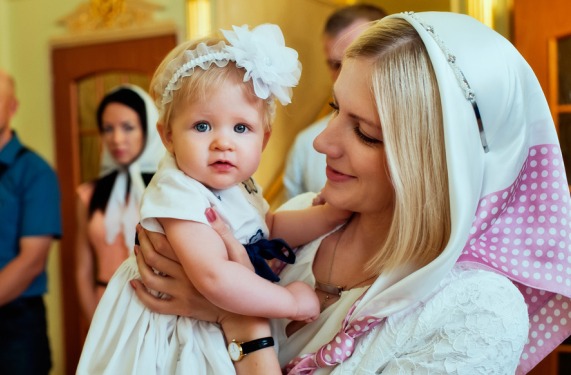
(273, 68)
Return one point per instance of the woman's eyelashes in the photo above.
(365, 138)
(356, 128)
(334, 106)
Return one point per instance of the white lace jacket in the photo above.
(476, 324)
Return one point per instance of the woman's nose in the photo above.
(117, 136)
(327, 142)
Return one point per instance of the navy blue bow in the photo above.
(263, 250)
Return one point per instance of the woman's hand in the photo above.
(155, 253)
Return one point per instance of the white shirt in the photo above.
(305, 167)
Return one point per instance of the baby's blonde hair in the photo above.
(197, 85)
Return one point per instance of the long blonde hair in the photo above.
(408, 102)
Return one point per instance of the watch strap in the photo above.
(251, 346)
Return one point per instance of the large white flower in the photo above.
(273, 67)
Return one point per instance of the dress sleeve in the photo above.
(476, 324)
(173, 195)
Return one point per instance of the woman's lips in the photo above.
(118, 154)
(336, 176)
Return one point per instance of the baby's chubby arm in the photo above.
(228, 284)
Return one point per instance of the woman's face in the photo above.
(357, 176)
(122, 133)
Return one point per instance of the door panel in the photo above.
(81, 75)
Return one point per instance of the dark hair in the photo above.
(126, 97)
(344, 17)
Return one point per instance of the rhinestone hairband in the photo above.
(215, 54)
(462, 81)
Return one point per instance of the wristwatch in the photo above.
(237, 350)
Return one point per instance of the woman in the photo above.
(444, 148)
(108, 207)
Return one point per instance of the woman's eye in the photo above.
(128, 127)
(334, 106)
(202, 127)
(366, 139)
(240, 128)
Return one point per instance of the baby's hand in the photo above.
(307, 301)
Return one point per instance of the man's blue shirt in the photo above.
(29, 204)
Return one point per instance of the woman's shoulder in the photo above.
(469, 292)
(85, 191)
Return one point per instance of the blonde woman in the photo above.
(444, 148)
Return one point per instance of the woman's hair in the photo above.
(199, 83)
(408, 102)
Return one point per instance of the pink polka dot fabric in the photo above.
(523, 232)
(338, 349)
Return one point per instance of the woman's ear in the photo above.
(166, 136)
(266, 139)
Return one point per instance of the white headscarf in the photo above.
(510, 206)
(121, 216)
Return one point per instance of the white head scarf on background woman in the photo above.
(510, 203)
(122, 216)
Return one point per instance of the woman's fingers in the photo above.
(158, 242)
(223, 230)
(218, 224)
(236, 251)
(157, 253)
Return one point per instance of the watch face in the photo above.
(235, 351)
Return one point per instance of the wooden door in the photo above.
(542, 33)
(76, 66)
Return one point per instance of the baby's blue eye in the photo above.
(202, 127)
(240, 128)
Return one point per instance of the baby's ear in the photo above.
(266, 138)
(166, 136)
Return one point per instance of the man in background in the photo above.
(305, 167)
(29, 220)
